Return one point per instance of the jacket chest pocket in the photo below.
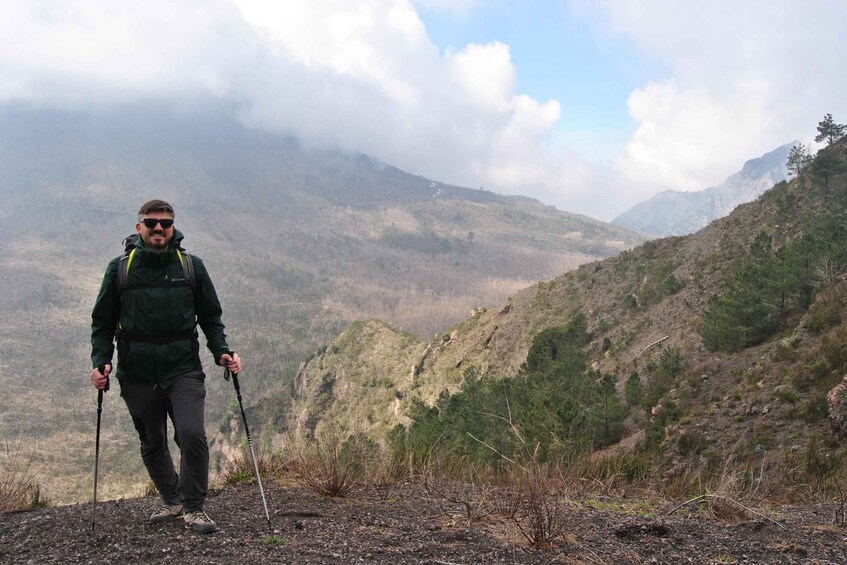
(179, 307)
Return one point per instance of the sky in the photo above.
(588, 105)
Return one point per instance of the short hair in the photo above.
(155, 206)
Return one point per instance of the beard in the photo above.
(155, 246)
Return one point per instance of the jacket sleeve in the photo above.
(208, 310)
(104, 318)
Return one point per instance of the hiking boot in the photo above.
(166, 513)
(199, 522)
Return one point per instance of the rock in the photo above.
(836, 402)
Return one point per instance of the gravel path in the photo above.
(410, 526)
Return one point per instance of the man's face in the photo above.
(156, 237)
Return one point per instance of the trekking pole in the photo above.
(227, 374)
(102, 369)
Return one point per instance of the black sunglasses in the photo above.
(151, 223)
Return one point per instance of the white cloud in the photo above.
(88, 51)
(456, 7)
(486, 74)
(363, 76)
(744, 77)
(687, 139)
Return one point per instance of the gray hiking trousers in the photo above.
(184, 402)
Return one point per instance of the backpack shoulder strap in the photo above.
(123, 270)
(187, 268)
(125, 263)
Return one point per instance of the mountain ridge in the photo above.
(680, 213)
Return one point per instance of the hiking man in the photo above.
(150, 302)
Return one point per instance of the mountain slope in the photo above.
(640, 306)
(680, 213)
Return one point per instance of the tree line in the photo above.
(773, 283)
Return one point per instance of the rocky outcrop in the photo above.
(836, 402)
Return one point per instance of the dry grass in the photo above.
(738, 492)
(537, 512)
(614, 474)
(383, 475)
(540, 518)
(326, 467)
(240, 469)
(466, 493)
(18, 486)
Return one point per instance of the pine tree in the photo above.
(632, 390)
(829, 130)
(798, 158)
(826, 165)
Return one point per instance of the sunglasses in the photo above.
(151, 223)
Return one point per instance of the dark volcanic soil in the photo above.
(411, 526)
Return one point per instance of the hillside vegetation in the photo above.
(692, 351)
(299, 241)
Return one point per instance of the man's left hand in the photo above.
(231, 361)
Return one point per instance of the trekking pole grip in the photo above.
(228, 373)
(102, 369)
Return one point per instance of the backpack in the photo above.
(129, 252)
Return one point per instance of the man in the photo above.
(152, 312)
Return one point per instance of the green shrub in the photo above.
(671, 285)
(834, 350)
(632, 390)
(815, 408)
(787, 395)
(824, 315)
(691, 442)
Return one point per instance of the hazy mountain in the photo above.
(300, 242)
(679, 213)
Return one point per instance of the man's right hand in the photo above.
(98, 379)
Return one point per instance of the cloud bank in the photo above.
(364, 76)
(744, 78)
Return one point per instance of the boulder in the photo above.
(836, 402)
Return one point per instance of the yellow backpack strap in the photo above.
(123, 270)
(187, 268)
(123, 275)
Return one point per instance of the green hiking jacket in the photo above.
(157, 305)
